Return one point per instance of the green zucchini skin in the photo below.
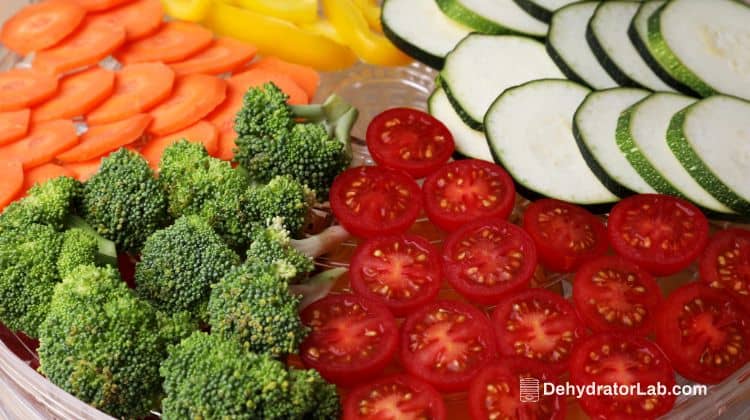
(615, 187)
(614, 71)
(535, 10)
(431, 60)
(456, 11)
(564, 67)
(465, 117)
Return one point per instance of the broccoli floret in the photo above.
(177, 326)
(48, 203)
(79, 247)
(179, 264)
(272, 243)
(123, 201)
(282, 197)
(106, 253)
(264, 113)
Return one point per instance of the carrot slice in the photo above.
(79, 93)
(41, 25)
(11, 181)
(258, 77)
(94, 41)
(13, 125)
(43, 143)
(43, 173)
(224, 55)
(306, 77)
(101, 139)
(194, 97)
(138, 88)
(175, 41)
(201, 132)
(97, 5)
(22, 88)
(223, 116)
(82, 171)
(226, 145)
(140, 18)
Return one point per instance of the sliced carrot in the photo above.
(41, 25)
(259, 77)
(201, 132)
(306, 77)
(82, 171)
(79, 93)
(91, 43)
(13, 125)
(45, 141)
(224, 55)
(223, 116)
(174, 41)
(11, 181)
(101, 139)
(140, 18)
(43, 173)
(194, 97)
(226, 145)
(22, 88)
(97, 5)
(138, 88)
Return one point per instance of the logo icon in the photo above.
(529, 390)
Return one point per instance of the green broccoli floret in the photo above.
(264, 113)
(106, 253)
(179, 264)
(123, 201)
(272, 243)
(282, 197)
(79, 247)
(48, 203)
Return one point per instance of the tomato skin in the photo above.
(409, 140)
(713, 322)
(641, 225)
(628, 293)
(385, 202)
(333, 327)
(555, 224)
(424, 402)
(729, 251)
(431, 319)
(478, 270)
(485, 191)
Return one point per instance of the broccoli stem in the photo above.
(316, 287)
(322, 243)
(337, 115)
(107, 252)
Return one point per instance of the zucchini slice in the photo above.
(543, 9)
(493, 17)
(469, 142)
(529, 132)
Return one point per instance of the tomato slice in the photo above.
(565, 235)
(726, 263)
(446, 344)
(467, 190)
(351, 340)
(662, 234)
(613, 294)
(403, 272)
(394, 397)
(409, 140)
(704, 332)
(371, 201)
(622, 359)
(487, 259)
(537, 324)
(496, 392)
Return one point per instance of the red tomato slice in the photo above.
(467, 190)
(537, 324)
(565, 235)
(622, 359)
(496, 392)
(488, 259)
(403, 272)
(409, 140)
(704, 332)
(726, 263)
(612, 294)
(351, 340)
(394, 397)
(372, 201)
(446, 344)
(660, 233)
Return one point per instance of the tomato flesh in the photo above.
(466, 190)
(485, 260)
(409, 140)
(394, 397)
(566, 235)
(446, 344)
(661, 234)
(351, 340)
(370, 201)
(726, 263)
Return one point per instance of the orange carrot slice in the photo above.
(97, 5)
(101, 139)
(13, 125)
(41, 25)
(22, 88)
(194, 97)
(44, 142)
(79, 93)
(94, 41)
(11, 181)
(138, 88)
(223, 116)
(259, 77)
(201, 132)
(306, 77)
(43, 173)
(224, 55)
(174, 41)
(140, 18)
(82, 171)
(226, 145)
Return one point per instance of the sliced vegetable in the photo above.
(188, 10)
(14, 125)
(23, 88)
(726, 263)
(469, 142)
(96, 5)
(102, 139)
(223, 116)
(44, 142)
(493, 17)
(41, 25)
(194, 97)
(44, 173)
(84, 170)
(371, 10)
(227, 145)
(201, 132)
(173, 42)
(139, 18)
(297, 11)
(78, 94)
(543, 9)
(305, 77)
(259, 77)
(12, 174)
(397, 396)
(222, 56)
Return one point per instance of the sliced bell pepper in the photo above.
(297, 11)
(371, 10)
(324, 28)
(189, 10)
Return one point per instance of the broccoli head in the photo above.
(79, 247)
(283, 197)
(264, 113)
(48, 203)
(123, 201)
(272, 243)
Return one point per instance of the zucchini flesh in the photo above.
(493, 17)
(469, 142)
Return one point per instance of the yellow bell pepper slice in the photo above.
(371, 10)
(189, 10)
(297, 11)
(278, 37)
(323, 27)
